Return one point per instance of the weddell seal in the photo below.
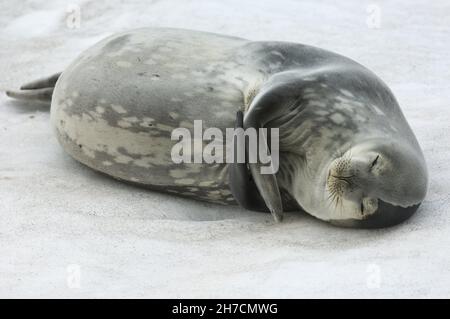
(346, 152)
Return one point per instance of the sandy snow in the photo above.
(66, 231)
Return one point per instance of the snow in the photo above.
(67, 232)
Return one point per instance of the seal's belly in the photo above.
(116, 106)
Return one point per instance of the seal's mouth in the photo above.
(387, 215)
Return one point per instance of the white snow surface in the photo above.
(68, 232)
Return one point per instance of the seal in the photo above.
(346, 152)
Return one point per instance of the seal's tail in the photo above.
(40, 90)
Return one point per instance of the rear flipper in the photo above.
(40, 90)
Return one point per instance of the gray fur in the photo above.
(115, 106)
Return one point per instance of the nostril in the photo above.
(362, 208)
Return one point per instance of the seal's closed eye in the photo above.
(375, 161)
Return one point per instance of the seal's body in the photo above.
(114, 108)
(345, 147)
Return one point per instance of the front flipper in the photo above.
(264, 178)
(242, 185)
(276, 98)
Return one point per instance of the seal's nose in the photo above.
(386, 215)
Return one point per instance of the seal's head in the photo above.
(375, 184)
(378, 180)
